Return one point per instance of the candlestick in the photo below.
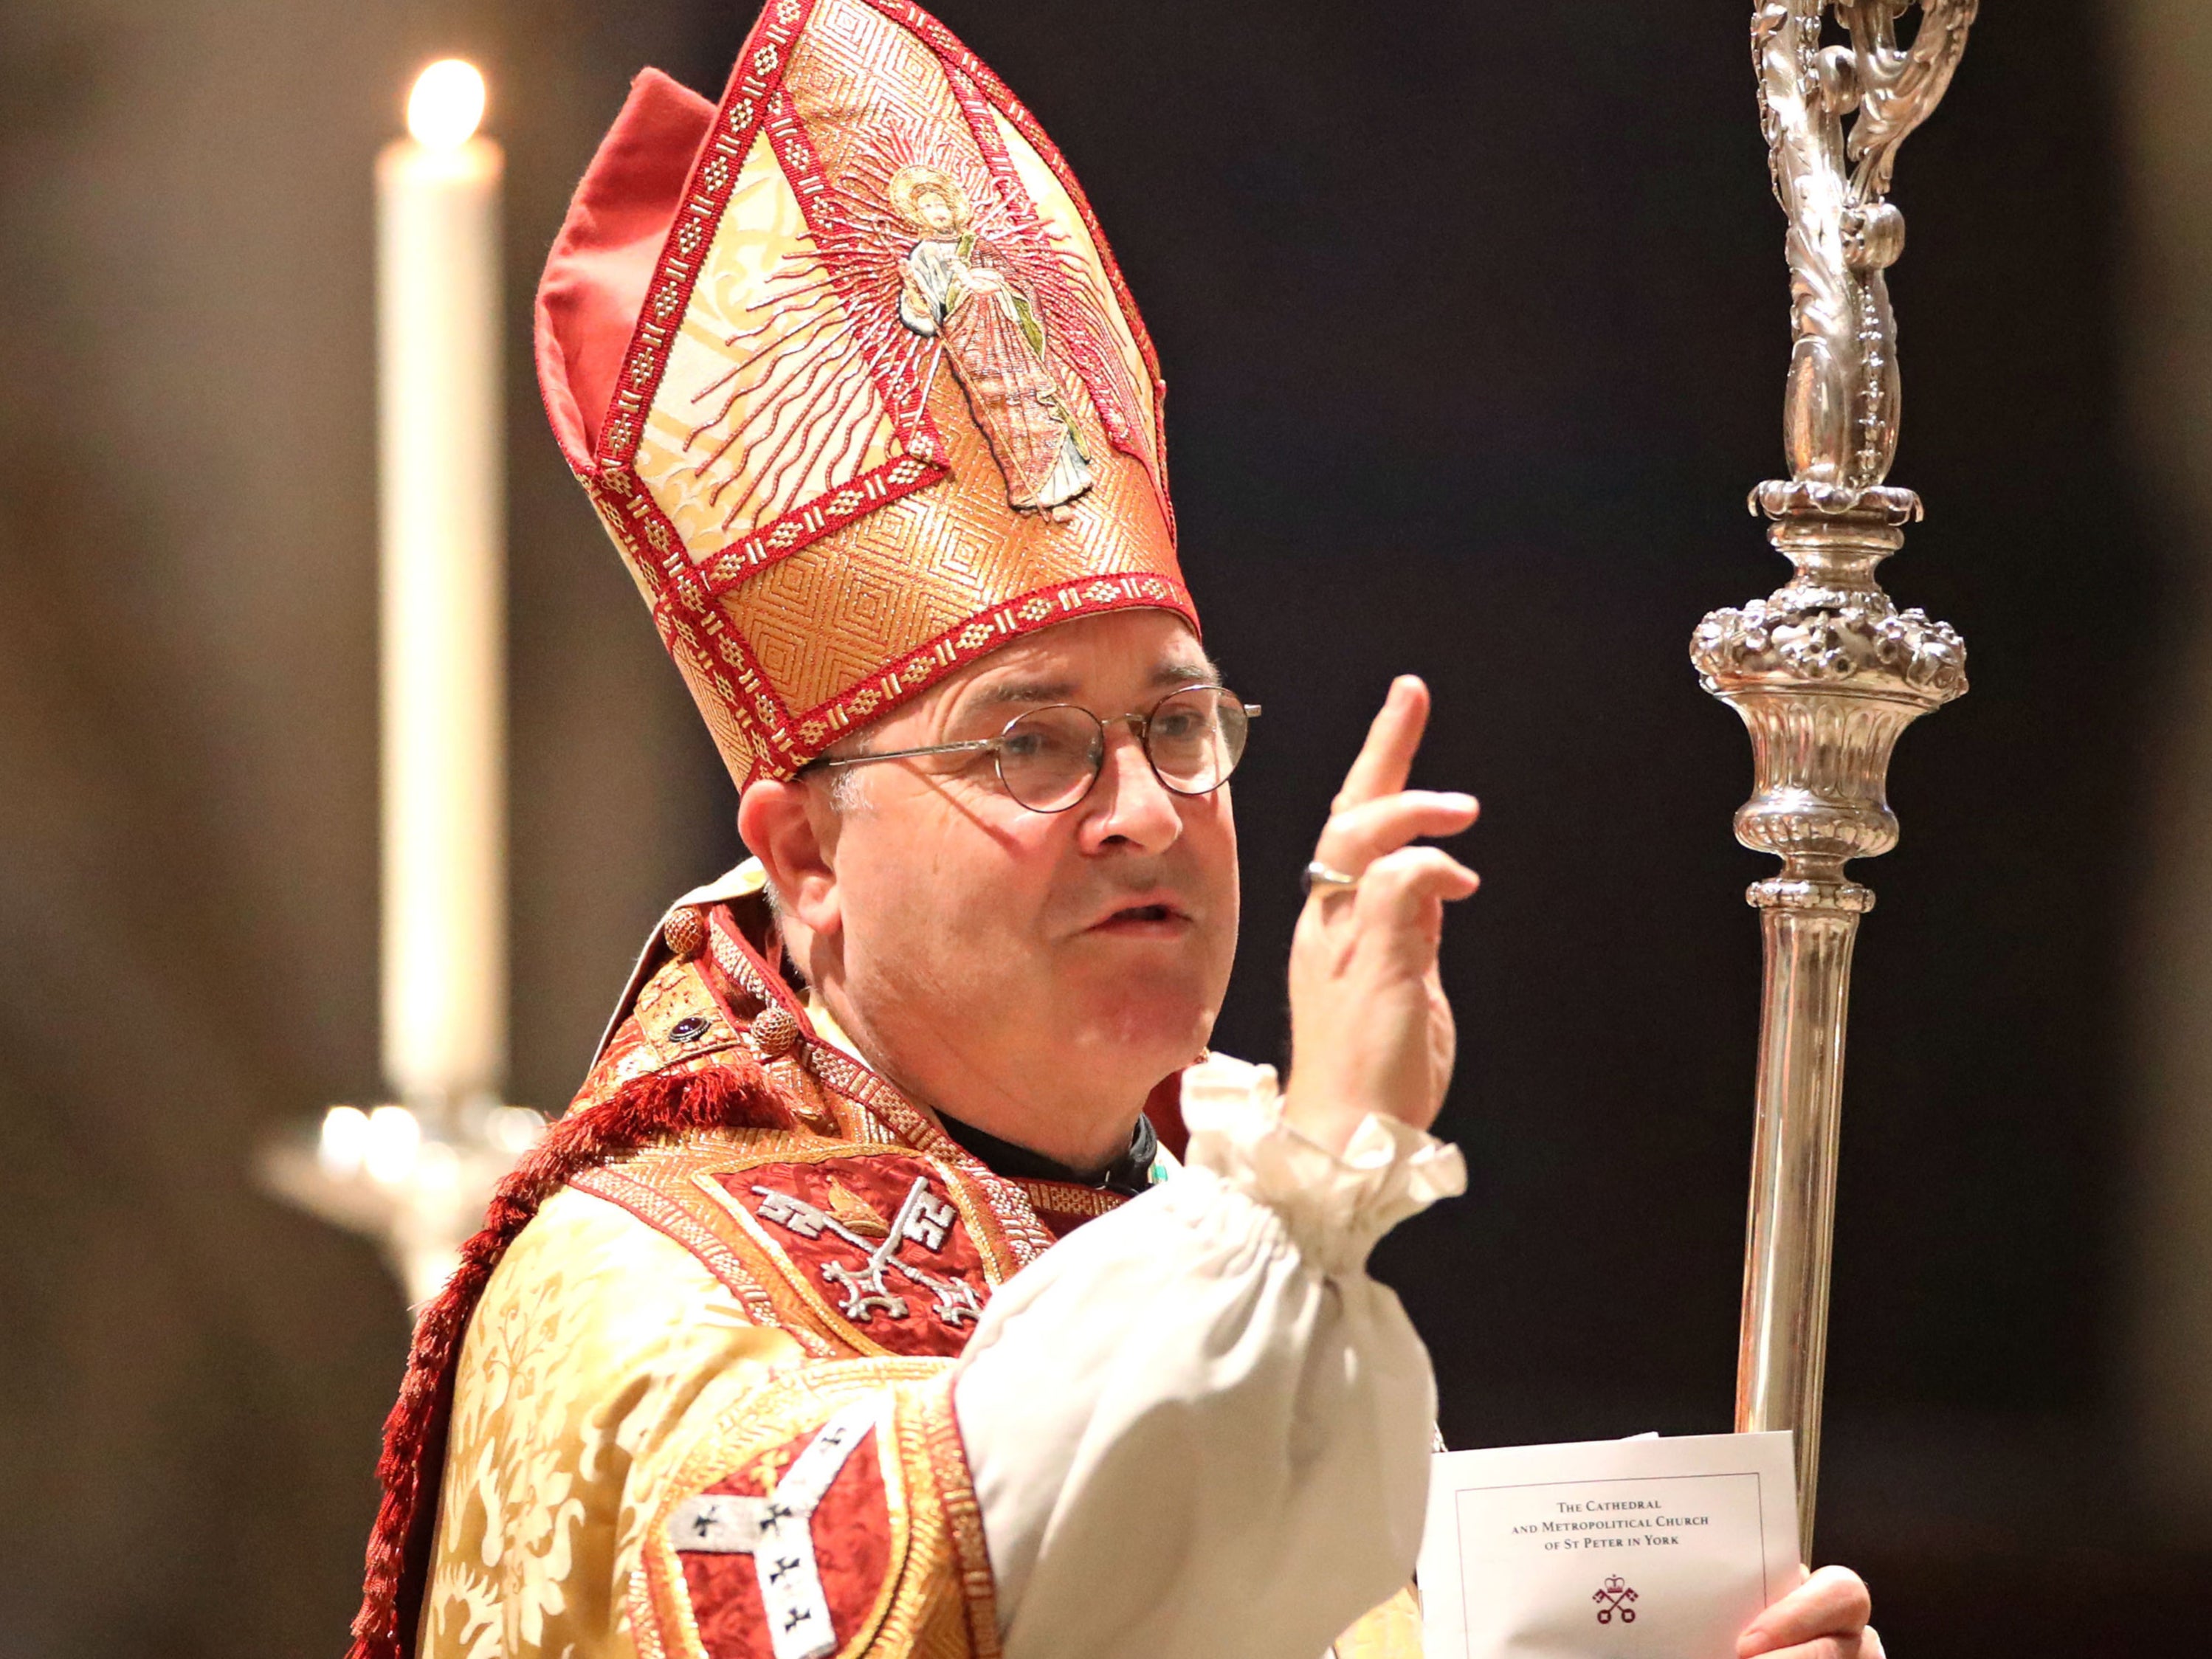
(415, 1174)
(1827, 671)
(443, 587)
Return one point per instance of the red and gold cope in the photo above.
(665, 1346)
(706, 1394)
(848, 370)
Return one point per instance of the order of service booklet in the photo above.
(1606, 1549)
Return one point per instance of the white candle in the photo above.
(442, 510)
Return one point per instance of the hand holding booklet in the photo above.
(1606, 1549)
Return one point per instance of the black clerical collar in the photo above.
(1127, 1175)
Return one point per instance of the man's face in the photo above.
(1034, 973)
(936, 211)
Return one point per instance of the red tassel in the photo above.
(731, 1094)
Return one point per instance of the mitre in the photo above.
(847, 368)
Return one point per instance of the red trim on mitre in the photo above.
(603, 259)
(730, 1093)
(695, 630)
(755, 104)
(871, 699)
(758, 73)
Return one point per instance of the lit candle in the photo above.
(442, 512)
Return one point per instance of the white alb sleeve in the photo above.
(1198, 1430)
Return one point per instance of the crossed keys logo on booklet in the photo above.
(1613, 1596)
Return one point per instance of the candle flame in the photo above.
(446, 104)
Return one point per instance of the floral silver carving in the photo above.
(1842, 409)
(1811, 634)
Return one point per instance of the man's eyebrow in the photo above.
(1204, 671)
(1182, 672)
(1025, 692)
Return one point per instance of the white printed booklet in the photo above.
(1606, 1549)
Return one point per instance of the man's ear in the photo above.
(792, 831)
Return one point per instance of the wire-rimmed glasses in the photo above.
(1050, 758)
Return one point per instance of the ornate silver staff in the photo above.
(1826, 671)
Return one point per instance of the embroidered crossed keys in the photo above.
(777, 1530)
(922, 1219)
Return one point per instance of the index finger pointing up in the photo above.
(1387, 757)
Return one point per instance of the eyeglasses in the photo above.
(1050, 758)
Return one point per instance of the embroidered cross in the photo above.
(923, 1218)
(778, 1532)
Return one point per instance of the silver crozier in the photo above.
(1827, 671)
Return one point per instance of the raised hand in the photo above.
(1370, 1030)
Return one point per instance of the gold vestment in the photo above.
(655, 1337)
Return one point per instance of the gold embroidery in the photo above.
(644, 1300)
(936, 1598)
(855, 1211)
(799, 1300)
(594, 1338)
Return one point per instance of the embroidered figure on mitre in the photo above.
(983, 320)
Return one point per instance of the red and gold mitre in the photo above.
(848, 370)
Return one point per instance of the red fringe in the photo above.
(731, 1094)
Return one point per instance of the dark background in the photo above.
(1474, 318)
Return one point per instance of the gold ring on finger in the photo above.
(1322, 878)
